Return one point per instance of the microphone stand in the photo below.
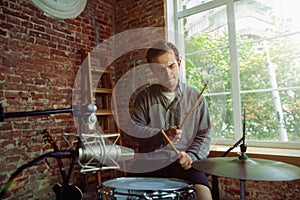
(47, 112)
(32, 113)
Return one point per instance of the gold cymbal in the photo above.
(248, 169)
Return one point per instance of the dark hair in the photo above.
(161, 47)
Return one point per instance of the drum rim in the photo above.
(187, 184)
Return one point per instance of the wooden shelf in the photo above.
(99, 70)
(103, 90)
(101, 112)
(102, 98)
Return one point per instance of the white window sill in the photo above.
(260, 150)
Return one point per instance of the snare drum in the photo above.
(142, 188)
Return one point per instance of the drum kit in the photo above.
(241, 168)
(143, 188)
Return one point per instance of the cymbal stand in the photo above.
(243, 156)
(243, 190)
(215, 183)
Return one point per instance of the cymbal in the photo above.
(249, 169)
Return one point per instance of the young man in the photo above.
(162, 107)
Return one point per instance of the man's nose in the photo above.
(168, 71)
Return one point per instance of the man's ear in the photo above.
(179, 63)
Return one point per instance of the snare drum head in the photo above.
(146, 183)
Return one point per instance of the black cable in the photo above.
(55, 154)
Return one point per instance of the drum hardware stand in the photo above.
(242, 156)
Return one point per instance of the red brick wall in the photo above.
(39, 59)
(133, 15)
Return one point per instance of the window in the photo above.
(249, 53)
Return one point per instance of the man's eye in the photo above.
(172, 66)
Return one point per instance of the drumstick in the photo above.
(194, 106)
(170, 142)
(186, 117)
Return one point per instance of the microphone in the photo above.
(103, 153)
(97, 149)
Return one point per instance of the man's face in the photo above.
(166, 68)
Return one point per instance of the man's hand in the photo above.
(174, 134)
(184, 160)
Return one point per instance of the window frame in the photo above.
(173, 16)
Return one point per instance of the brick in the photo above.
(5, 126)
(22, 125)
(11, 94)
(39, 35)
(3, 32)
(33, 148)
(70, 38)
(13, 20)
(9, 63)
(27, 73)
(8, 144)
(39, 28)
(58, 52)
(13, 159)
(13, 80)
(41, 49)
